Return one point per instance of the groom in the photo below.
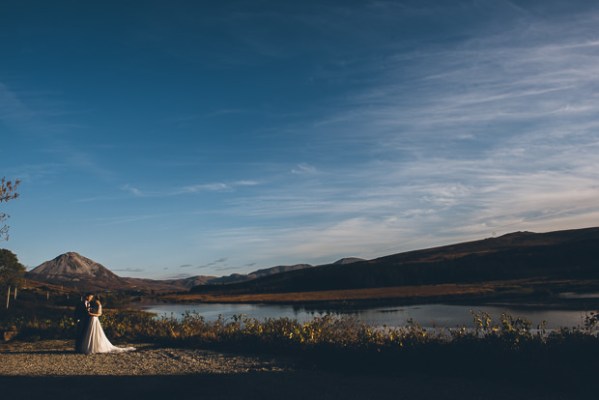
(83, 318)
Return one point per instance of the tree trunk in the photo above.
(8, 298)
(15, 294)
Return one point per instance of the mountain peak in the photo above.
(348, 260)
(70, 254)
(72, 266)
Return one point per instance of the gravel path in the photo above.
(56, 358)
(49, 369)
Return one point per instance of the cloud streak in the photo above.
(496, 133)
(129, 270)
(388, 126)
(218, 264)
(304, 169)
(190, 189)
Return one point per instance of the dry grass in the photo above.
(400, 292)
(420, 293)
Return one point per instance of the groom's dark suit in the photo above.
(83, 318)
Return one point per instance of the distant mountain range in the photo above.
(571, 254)
(76, 271)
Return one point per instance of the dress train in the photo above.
(95, 340)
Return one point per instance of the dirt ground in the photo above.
(51, 370)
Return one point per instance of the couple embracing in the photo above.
(90, 335)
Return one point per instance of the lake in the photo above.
(428, 315)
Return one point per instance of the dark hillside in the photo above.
(572, 254)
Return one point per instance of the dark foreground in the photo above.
(273, 385)
(50, 370)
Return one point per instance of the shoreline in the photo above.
(514, 294)
(373, 303)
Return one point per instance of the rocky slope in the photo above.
(73, 269)
(76, 271)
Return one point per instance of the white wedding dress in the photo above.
(95, 340)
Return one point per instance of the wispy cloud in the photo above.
(129, 270)
(45, 118)
(177, 276)
(216, 263)
(214, 187)
(304, 169)
(245, 183)
(401, 138)
(125, 219)
(12, 109)
(42, 172)
(493, 134)
(133, 190)
(204, 187)
(189, 189)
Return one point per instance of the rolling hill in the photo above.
(76, 271)
(571, 254)
(236, 278)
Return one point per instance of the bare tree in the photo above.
(8, 191)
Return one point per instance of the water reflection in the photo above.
(571, 295)
(428, 316)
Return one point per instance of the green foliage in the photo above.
(591, 321)
(509, 347)
(11, 270)
(329, 331)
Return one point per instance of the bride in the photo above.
(95, 341)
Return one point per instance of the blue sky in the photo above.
(180, 138)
